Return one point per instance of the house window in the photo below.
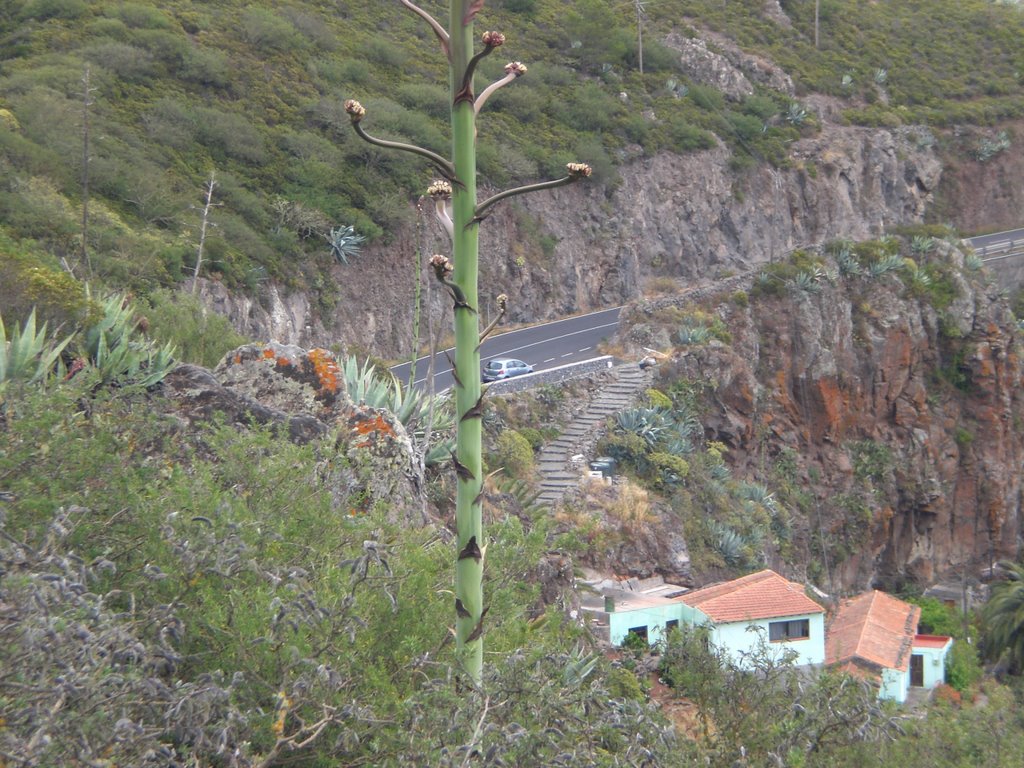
(781, 631)
(671, 624)
(640, 632)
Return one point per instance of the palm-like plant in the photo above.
(1003, 617)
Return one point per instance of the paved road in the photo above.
(542, 346)
(997, 243)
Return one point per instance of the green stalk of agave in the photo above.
(460, 276)
(469, 567)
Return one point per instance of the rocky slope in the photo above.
(900, 421)
(594, 245)
(677, 216)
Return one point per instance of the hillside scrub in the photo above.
(254, 94)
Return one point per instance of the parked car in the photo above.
(505, 368)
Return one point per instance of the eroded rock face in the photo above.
(369, 465)
(904, 421)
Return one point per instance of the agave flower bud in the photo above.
(442, 266)
(355, 110)
(502, 302)
(440, 190)
(493, 39)
(578, 170)
(516, 68)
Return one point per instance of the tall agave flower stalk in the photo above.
(457, 208)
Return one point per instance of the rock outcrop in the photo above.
(369, 465)
(901, 420)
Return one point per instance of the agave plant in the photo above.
(921, 245)
(881, 75)
(693, 335)
(116, 351)
(344, 243)
(889, 263)
(728, 543)
(917, 279)
(973, 262)
(759, 494)
(367, 385)
(809, 280)
(795, 114)
(650, 424)
(848, 264)
(29, 355)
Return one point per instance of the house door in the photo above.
(917, 671)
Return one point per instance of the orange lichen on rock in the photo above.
(370, 424)
(326, 369)
(267, 353)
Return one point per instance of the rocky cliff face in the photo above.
(901, 421)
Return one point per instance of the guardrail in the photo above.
(552, 375)
(1004, 249)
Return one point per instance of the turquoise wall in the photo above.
(654, 618)
(742, 637)
(736, 638)
(934, 665)
(895, 684)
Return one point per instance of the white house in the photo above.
(875, 635)
(762, 605)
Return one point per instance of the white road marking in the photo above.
(553, 338)
(550, 360)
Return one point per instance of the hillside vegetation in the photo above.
(175, 597)
(115, 117)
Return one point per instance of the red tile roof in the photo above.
(931, 641)
(873, 629)
(761, 595)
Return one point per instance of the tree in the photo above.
(460, 214)
(1003, 618)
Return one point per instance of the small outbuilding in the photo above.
(875, 635)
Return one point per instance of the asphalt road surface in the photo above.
(542, 346)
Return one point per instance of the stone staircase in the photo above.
(558, 475)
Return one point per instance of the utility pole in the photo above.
(86, 103)
(817, 11)
(202, 229)
(641, 14)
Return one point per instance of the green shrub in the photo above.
(963, 667)
(40, 10)
(199, 335)
(658, 399)
(669, 469)
(533, 436)
(268, 31)
(513, 453)
(937, 618)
